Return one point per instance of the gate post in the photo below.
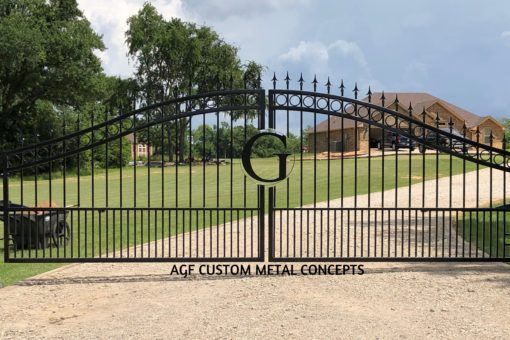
(272, 190)
(261, 188)
(5, 211)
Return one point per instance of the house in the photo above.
(353, 137)
(345, 135)
(139, 150)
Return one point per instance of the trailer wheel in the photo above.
(62, 234)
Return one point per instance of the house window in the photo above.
(487, 135)
(142, 149)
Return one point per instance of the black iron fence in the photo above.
(192, 179)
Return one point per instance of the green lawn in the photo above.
(163, 187)
(486, 231)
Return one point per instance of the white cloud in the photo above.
(318, 51)
(306, 50)
(111, 22)
(339, 59)
(349, 49)
(505, 34)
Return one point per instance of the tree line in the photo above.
(52, 82)
(208, 142)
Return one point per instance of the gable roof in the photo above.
(422, 100)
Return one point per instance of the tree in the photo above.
(176, 58)
(47, 68)
(203, 141)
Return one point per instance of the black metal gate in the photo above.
(443, 201)
(171, 182)
(161, 183)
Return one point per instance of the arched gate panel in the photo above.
(161, 183)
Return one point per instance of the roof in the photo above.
(422, 101)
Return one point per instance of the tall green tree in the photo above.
(176, 58)
(48, 68)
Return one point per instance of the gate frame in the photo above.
(7, 167)
(273, 106)
(356, 104)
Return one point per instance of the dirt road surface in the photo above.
(390, 300)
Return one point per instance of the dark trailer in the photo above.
(36, 229)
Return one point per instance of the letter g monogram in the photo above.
(282, 158)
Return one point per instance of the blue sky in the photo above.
(456, 50)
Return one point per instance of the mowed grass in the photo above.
(211, 186)
(486, 230)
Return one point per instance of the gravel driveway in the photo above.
(142, 300)
(391, 300)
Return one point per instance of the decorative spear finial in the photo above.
(314, 82)
(287, 78)
(328, 86)
(342, 87)
(301, 81)
(355, 90)
(369, 94)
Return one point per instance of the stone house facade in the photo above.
(421, 102)
(139, 150)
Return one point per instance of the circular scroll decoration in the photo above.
(485, 156)
(363, 112)
(418, 131)
(322, 103)
(498, 160)
(113, 129)
(350, 109)
(403, 125)
(335, 105)
(390, 121)
(376, 115)
(295, 100)
(308, 101)
(252, 99)
(281, 100)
